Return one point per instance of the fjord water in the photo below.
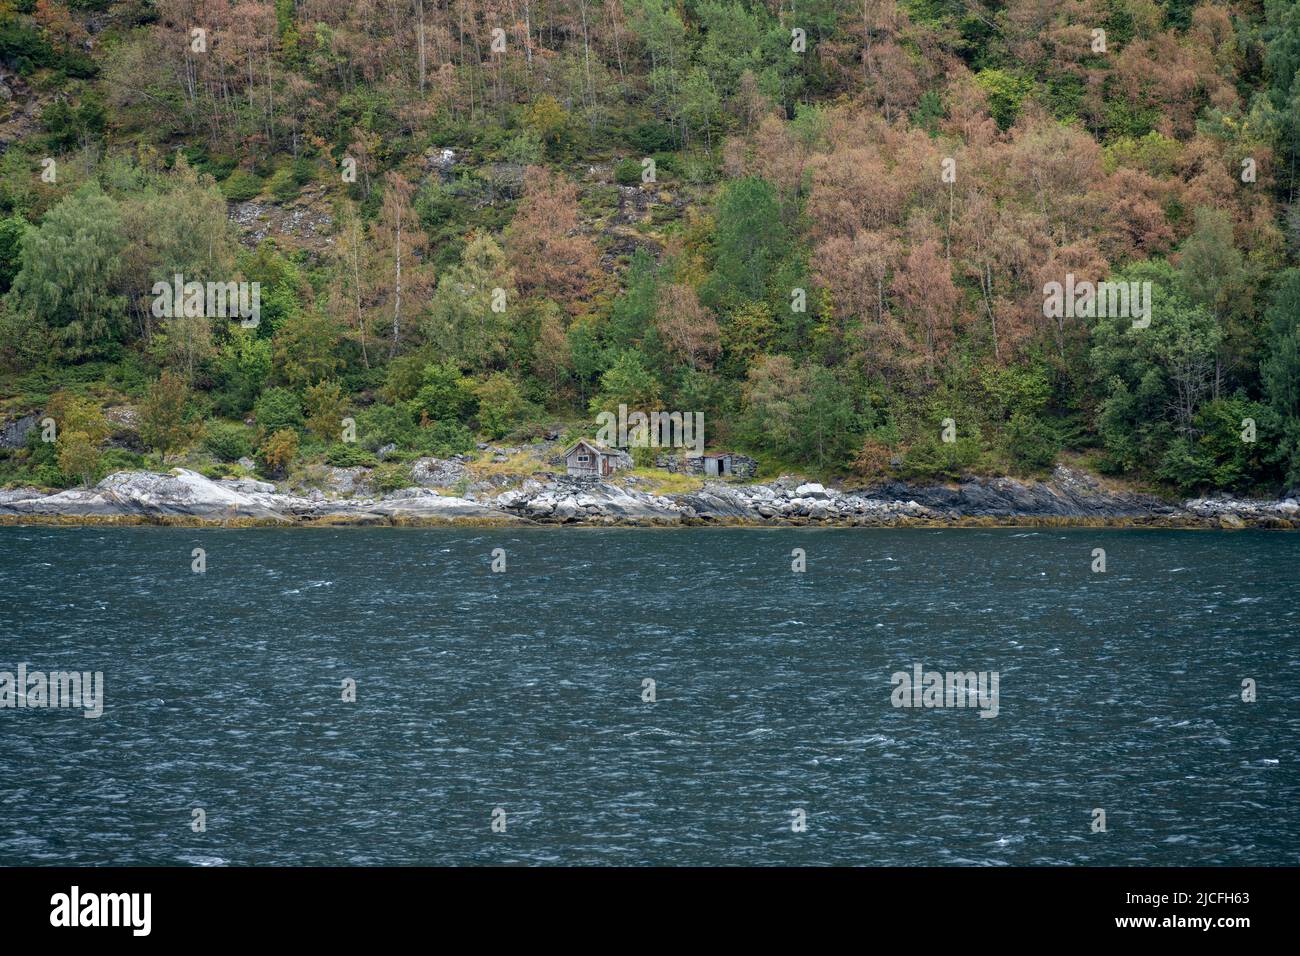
(523, 690)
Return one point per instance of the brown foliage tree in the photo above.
(547, 250)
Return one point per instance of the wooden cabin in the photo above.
(591, 459)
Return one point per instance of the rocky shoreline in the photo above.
(1067, 498)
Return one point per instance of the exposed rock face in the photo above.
(440, 161)
(574, 499)
(304, 220)
(349, 481)
(1067, 498)
(437, 472)
(247, 486)
(185, 494)
(1229, 510)
(14, 434)
(1068, 494)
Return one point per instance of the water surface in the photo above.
(523, 690)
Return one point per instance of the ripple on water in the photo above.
(524, 691)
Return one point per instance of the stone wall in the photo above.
(742, 466)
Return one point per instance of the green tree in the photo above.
(630, 382)
(326, 406)
(1212, 274)
(701, 104)
(162, 414)
(633, 312)
(12, 229)
(68, 281)
(227, 440)
(241, 370)
(830, 430)
(803, 414)
(500, 404)
(381, 425)
(470, 314)
(587, 356)
(80, 428)
(79, 458)
(305, 348)
(73, 413)
(1153, 380)
(751, 241)
(278, 409)
(445, 395)
(1280, 370)
(1005, 91)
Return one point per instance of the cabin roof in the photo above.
(597, 447)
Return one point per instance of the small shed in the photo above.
(591, 459)
(714, 464)
(717, 464)
(724, 464)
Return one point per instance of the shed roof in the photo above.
(592, 445)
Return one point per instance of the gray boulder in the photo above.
(437, 472)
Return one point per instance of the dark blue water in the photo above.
(523, 690)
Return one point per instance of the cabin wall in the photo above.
(574, 467)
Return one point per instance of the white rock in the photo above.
(811, 490)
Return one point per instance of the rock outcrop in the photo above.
(1067, 498)
(14, 434)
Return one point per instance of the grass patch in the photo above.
(657, 481)
(520, 464)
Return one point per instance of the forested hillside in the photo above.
(828, 225)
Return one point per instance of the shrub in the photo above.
(228, 441)
(1031, 442)
(278, 452)
(444, 439)
(23, 47)
(930, 457)
(48, 476)
(390, 478)
(326, 404)
(278, 408)
(445, 393)
(119, 459)
(874, 459)
(526, 149)
(381, 425)
(653, 138)
(628, 172)
(284, 185)
(241, 185)
(349, 456)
